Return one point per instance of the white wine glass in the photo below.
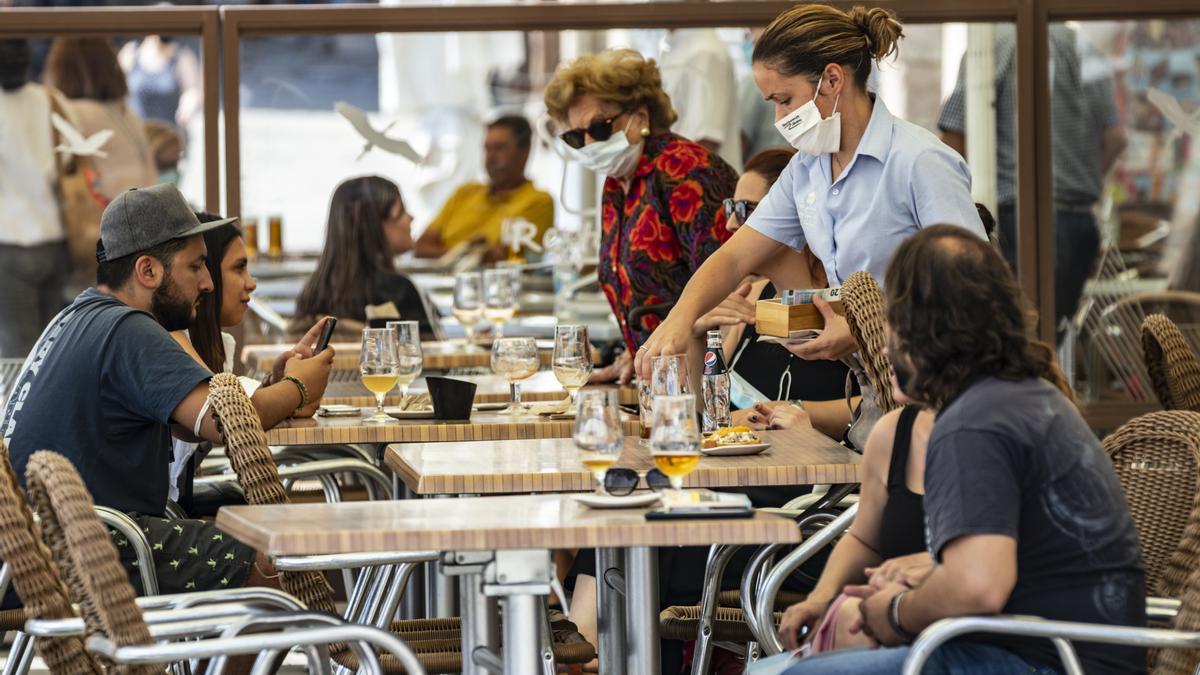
(572, 358)
(675, 437)
(515, 359)
(377, 365)
(598, 433)
(468, 303)
(499, 298)
(409, 359)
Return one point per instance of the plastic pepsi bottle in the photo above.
(716, 385)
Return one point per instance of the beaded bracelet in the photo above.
(299, 385)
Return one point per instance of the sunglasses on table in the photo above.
(601, 130)
(620, 481)
(742, 208)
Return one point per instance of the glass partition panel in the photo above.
(1126, 193)
(130, 114)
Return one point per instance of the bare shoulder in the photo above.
(878, 452)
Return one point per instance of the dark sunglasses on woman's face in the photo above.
(620, 481)
(742, 208)
(601, 130)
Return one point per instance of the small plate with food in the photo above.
(729, 441)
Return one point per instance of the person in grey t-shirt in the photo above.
(1024, 514)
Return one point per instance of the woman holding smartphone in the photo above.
(212, 347)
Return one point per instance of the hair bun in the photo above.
(880, 28)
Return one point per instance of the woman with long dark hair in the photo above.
(367, 227)
(225, 307)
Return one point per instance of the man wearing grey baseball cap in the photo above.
(106, 385)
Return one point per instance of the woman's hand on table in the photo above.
(773, 415)
(620, 370)
(733, 310)
(834, 342)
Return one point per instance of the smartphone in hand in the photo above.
(326, 334)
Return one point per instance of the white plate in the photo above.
(595, 501)
(732, 450)
(339, 411)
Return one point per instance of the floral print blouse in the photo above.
(655, 236)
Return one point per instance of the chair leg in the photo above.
(717, 562)
(20, 656)
(549, 667)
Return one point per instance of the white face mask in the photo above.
(615, 157)
(805, 131)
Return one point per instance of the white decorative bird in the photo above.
(376, 139)
(73, 142)
(1184, 123)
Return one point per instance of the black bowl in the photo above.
(452, 399)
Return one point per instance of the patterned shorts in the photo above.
(189, 555)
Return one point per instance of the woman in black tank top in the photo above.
(888, 532)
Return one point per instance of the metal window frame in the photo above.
(203, 22)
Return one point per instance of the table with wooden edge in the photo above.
(501, 547)
(541, 387)
(483, 426)
(438, 355)
(796, 457)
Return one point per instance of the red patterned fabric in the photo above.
(657, 235)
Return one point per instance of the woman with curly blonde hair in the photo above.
(662, 214)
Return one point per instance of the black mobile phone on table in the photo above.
(326, 334)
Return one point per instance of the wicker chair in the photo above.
(80, 545)
(1157, 459)
(35, 577)
(435, 640)
(863, 304)
(1174, 368)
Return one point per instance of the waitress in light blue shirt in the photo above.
(861, 183)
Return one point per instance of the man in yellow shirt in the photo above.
(476, 210)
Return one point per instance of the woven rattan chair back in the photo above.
(1182, 661)
(863, 304)
(1174, 368)
(246, 447)
(1156, 458)
(83, 549)
(35, 577)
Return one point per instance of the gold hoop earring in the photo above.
(645, 132)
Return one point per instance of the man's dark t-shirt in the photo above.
(1017, 459)
(99, 388)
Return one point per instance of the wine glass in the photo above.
(572, 358)
(675, 437)
(598, 432)
(516, 359)
(377, 364)
(409, 359)
(500, 298)
(468, 302)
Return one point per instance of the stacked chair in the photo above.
(70, 560)
(376, 594)
(1173, 367)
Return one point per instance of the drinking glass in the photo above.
(598, 432)
(675, 437)
(409, 360)
(516, 359)
(572, 358)
(668, 377)
(499, 298)
(377, 364)
(468, 302)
